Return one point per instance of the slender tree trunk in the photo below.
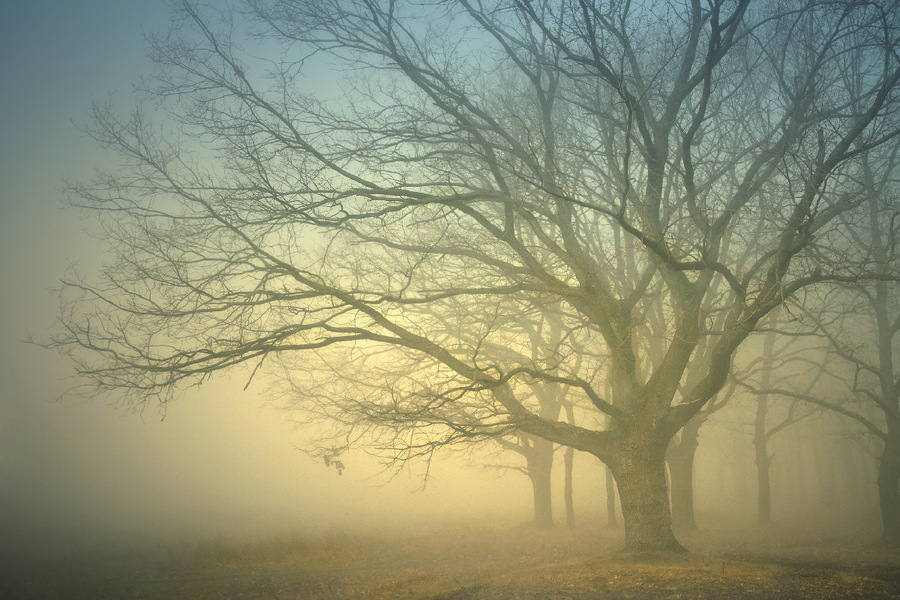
(680, 458)
(761, 435)
(889, 490)
(540, 466)
(763, 461)
(640, 471)
(612, 519)
(681, 471)
(569, 459)
(764, 497)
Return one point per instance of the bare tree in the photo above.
(538, 455)
(478, 156)
(859, 325)
(407, 409)
(680, 460)
(795, 369)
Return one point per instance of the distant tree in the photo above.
(538, 455)
(680, 460)
(569, 472)
(859, 325)
(795, 370)
(403, 410)
(683, 446)
(479, 161)
(609, 482)
(877, 374)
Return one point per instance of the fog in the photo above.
(223, 461)
(222, 464)
(78, 473)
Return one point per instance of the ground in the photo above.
(469, 563)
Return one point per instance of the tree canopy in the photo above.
(647, 177)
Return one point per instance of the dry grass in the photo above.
(478, 564)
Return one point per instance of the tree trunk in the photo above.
(569, 459)
(681, 471)
(764, 497)
(540, 466)
(640, 471)
(680, 458)
(889, 490)
(612, 519)
(761, 435)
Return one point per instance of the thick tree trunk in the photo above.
(640, 471)
(889, 491)
(540, 466)
(569, 460)
(612, 519)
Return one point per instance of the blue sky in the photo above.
(55, 56)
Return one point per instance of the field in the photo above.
(468, 563)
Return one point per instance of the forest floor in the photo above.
(468, 563)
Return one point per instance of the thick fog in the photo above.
(223, 461)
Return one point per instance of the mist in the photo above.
(234, 472)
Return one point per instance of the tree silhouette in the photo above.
(480, 163)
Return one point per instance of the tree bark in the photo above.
(640, 471)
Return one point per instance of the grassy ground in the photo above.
(476, 564)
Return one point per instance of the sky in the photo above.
(223, 461)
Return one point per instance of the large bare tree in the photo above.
(480, 162)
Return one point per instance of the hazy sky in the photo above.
(221, 457)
